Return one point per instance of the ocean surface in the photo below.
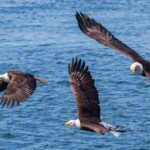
(41, 37)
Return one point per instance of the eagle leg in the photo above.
(116, 126)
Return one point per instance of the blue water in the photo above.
(41, 37)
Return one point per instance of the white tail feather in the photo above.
(107, 125)
(116, 133)
(41, 80)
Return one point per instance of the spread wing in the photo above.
(20, 87)
(85, 92)
(96, 31)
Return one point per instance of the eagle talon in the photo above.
(109, 129)
(116, 126)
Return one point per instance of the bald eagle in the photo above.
(87, 100)
(17, 87)
(96, 31)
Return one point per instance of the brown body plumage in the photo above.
(98, 32)
(19, 87)
(86, 96)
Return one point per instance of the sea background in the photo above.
(41, 37)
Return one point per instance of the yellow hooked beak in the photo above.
(67, 124)
(133, 68)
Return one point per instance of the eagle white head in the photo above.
(136, 67)
(5, 77)
(73, 123)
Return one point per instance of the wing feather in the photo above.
(84, 90)
(20, 87)
(96, 31)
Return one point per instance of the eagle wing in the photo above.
(96, 31)
(20, 87)
(94, 126)
(84, 91)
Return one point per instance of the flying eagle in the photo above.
(96, 31)
(86, 95)
(17, 87)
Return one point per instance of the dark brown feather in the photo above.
(96, 31)
(3, 85)
(85, 92)
(93, 126)
(20, 87)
